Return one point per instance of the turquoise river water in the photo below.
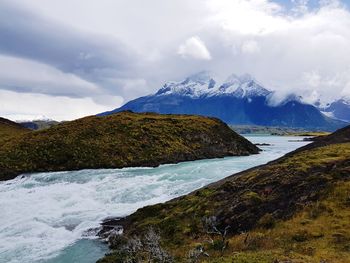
(45, 216)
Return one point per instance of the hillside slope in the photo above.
(120, 140)
(294, 209)
(9, 129)
(339, 109)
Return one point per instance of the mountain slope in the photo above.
(339, 109)
(239, 100)
(120, 140)
(9, 129)
(294, 209)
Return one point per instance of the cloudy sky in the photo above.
(64, 59)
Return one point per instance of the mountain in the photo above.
(10, 129)
(38, 124)
(238, 100)
(120, 140)
(339, 109)
(294, 209)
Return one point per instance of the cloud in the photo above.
(195, 48)
(300, 6)
(250, 47)
(23, 75)
(330, 3)
(246, 17)
(111, 50)
(37, 37)
(30, 106)
(36, 42)
(280, 49)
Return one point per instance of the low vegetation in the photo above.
(10, 129)
(295, 209)
(120, 140)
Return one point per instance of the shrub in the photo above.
(267, 221)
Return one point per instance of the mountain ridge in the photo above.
(238, 100)
(338, 109)
(203, 84)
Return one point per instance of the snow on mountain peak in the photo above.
(243, 86)
(203, 84)
(202, 77)
(194, 86)
(233, 78)
(345, 100)
(246, 78)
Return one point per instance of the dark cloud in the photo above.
(92, 57)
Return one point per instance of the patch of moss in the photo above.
(267, 221)
(252, 198)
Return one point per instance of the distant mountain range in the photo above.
(338, 109)
(38, 124)
(238, 100)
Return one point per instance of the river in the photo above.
(45, 216)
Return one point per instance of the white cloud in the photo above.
(300, 6)
(330, 3)
(302, 54)
(246, 17)
(29, 89)
(250, 47)
(31, 76)
(312, 98)
(312, 79)
(195, 48)
(29, 106)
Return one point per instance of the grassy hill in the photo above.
(294, 209)
(9, 129)
(120, 140)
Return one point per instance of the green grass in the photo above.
(320, 231)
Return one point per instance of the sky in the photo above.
(65, 59)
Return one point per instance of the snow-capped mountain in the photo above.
(237, 100)
(339, 109)
(203, 85)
